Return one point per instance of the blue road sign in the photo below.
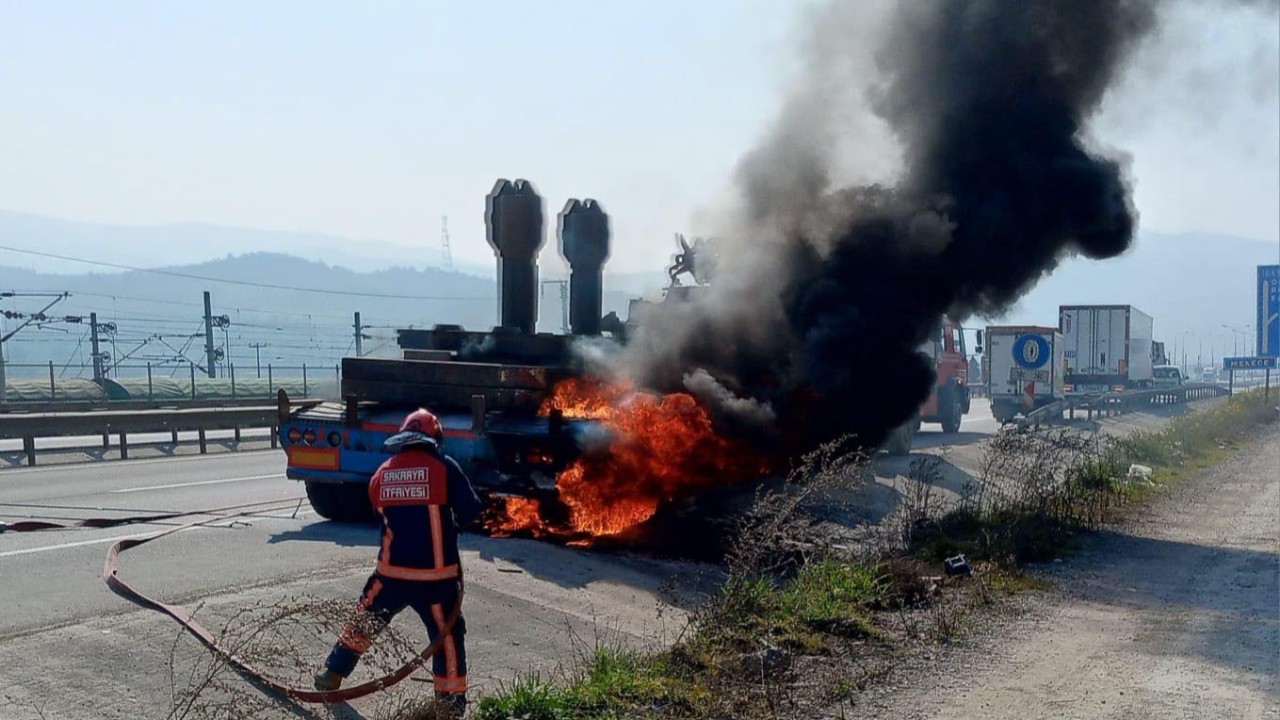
(1031, 351)
(1268, 341)
(1249, 363)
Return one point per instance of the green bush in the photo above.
(832, 596)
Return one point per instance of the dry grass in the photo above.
(286, 640)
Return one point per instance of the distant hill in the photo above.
(1192, 284)
(295, 326)
(191, 243)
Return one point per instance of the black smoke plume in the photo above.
(820, 310)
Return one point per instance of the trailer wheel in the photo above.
(899, 440)
(340, 502)
(1002, 412)
(952, 414)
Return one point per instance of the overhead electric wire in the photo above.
(79, 344)
(162, 301)
(245, 283)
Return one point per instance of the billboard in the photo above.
(1268, 323)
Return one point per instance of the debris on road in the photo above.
(957, 565)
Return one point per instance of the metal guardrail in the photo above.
(29, 426)
(1119, 403)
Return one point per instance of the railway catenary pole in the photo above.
(257, 355)
(4, 337)
(208, 335)
(359, 336)
(93, 346)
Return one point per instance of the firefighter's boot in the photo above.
(455, 702)
(328, 680)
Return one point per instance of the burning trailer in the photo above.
(565, 454)
(813, 329)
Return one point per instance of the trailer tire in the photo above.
(952, 413)
(340, 502)
(899, 440)
(1002, 412)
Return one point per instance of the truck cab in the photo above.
(1166, 376)
(950, 399)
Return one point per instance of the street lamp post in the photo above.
(1235, 337)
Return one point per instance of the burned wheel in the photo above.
(899, 440)
(341, 502)
(952, 413)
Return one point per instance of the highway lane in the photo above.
(70, 648)
(59, 561)
(183, 483)
(529, 603)
(975, 425)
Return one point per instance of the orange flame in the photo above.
(661, 447)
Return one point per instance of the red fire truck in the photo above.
(950, 398)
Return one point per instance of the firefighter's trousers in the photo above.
(383, 598)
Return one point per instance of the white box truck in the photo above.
(1108, 347)
(1025, 369)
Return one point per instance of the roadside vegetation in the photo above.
(800, 625)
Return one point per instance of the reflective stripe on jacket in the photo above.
(422, 498)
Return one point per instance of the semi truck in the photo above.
(1106, 348)
(487, 388)
(1026, 366)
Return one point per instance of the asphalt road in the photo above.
(69, 648)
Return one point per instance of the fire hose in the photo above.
(110, 573)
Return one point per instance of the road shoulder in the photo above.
(1172, 614)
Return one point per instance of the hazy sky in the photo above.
(373, 120)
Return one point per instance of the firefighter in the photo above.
(422, 498)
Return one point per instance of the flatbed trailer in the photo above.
(488, 388)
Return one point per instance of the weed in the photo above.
(528, 697)
(617, 676)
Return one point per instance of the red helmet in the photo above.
(423, 421)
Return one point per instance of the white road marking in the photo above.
(200, 482)
(64, 546)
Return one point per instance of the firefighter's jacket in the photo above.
(422, 498)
